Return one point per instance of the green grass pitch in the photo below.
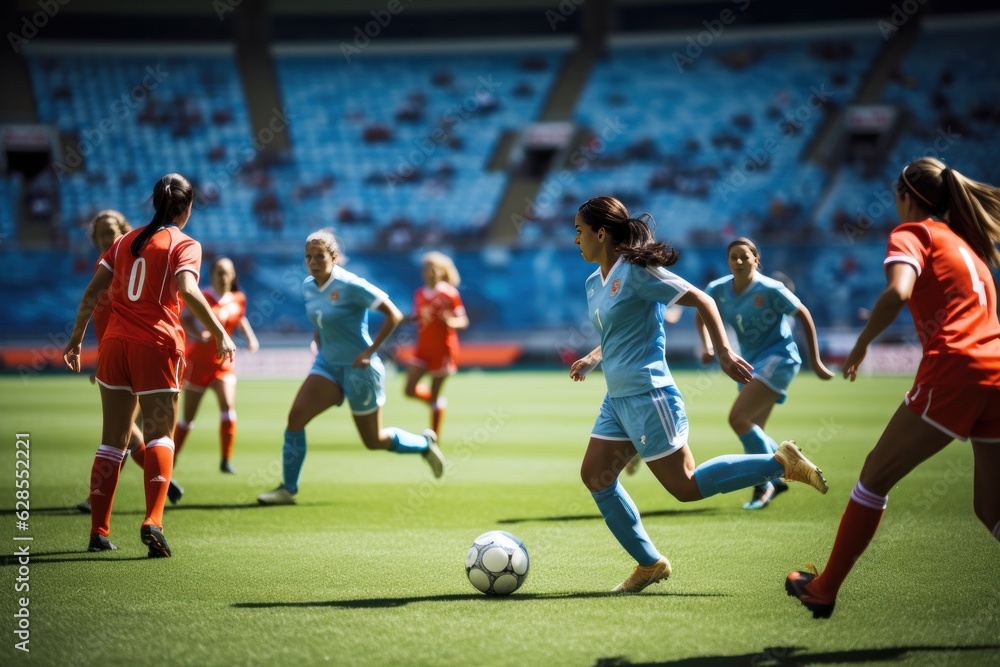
(368, 567)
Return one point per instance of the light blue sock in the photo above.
(735, 471)
(404, 442)
(622, 517)
(293, 455)
(755, 441)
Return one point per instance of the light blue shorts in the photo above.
(364, 388)
(654, 422)
(777, 372)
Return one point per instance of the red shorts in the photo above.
(963, 412)
(201, 374)
(438, 360)
(141, 369)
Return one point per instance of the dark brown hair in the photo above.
(633, 237)
(748, 243)
(172, 195)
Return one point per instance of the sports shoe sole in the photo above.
(798, 468)
(795, 586)
(153, 538)
(433, 455)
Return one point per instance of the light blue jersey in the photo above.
(759, 316)
(339, 312)
(627, 310)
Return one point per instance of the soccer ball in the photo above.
(497, 563)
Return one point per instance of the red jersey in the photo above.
(229, 309)
(145, 303)
(954, 305)
(432, 306)
(102, 313)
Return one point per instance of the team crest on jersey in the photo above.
(758, 301)
(334, 295)
(616, 285)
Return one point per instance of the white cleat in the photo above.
(433, 455)
(278, 496)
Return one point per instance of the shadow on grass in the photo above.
(378, 603)
(595, 517)
(794, 656)
(73, 511)
(80, 556)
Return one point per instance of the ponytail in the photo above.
(633, 237)
(975, 214)
(172, 195)
(971, 208)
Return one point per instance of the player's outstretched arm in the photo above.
(731, 363)
(91, 296)
(901, 278)
(809, 328)
(187, 285)
(578, 371)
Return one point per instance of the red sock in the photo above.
(103, 484)
(227, 434)
(423, 393)
(139, 454)
(180, 435)
(857, 527)
(156, 478)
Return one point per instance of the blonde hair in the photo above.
(441, 261)
(117, 220)
(971, 208)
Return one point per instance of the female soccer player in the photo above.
(346, 366)
(439, 313)
(643, 411)
(141, 356)
(105, 228)
(757, 308)
(205, 370)
(938, 262)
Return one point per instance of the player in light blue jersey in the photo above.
(758, 308)
(643, 411)
(346, 366)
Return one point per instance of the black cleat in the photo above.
(795, 585)
(227, 467)
(153, 538)
(100, 542)
(174, 492)
(84, 506)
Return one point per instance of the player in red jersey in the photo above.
(107, 226)
(141, 355)
(204, 369)
(938, 262)
(439, 313)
